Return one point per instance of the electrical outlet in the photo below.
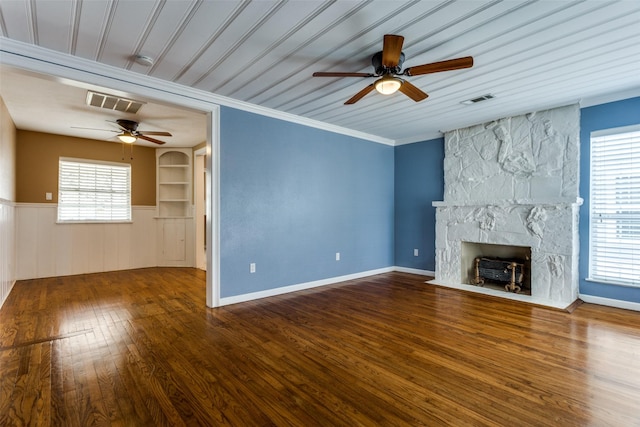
(415, 252)
(48, 196)
(252, 267)
(337, 256)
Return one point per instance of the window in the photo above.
(614, 252)
(92, 191)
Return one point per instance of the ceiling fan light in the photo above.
(127, 137)
(388, 85)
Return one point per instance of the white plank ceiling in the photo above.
(529, 54)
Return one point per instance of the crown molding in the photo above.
(64, 66)
(610, 97)
(419, 138)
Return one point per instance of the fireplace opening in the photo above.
(501, 267)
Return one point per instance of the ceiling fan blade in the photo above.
(116, 124)
(412, 92)
(391, 50)
(104, 130)
(151, 132)
(337, 74)
(436, 67)
(358, 96)
(147, 138)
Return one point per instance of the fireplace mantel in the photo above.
(578, 201)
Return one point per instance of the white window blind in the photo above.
(90, 191)
(615, 209)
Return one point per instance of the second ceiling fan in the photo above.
(388, 66)
(128, 132)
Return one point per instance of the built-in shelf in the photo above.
(174, 221)
(174, 183)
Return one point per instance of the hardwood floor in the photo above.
(139, 348)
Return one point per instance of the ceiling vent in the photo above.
(110, 102)
(478, 99)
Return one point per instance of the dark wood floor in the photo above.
(139, 348)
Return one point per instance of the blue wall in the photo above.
(604, 116)
(419, 180)
(292, 196)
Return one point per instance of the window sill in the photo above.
(94, 222)
(613, 283)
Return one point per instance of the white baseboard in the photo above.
(301, 286)
(415, 271)
(627, 305)
(309, 285)
(8, 292)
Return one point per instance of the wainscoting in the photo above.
(7, 249)
(47, 249)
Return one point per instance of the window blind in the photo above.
(615, 209)
(93, 191)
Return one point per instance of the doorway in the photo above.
(93, 75)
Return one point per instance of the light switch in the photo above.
(48, 196)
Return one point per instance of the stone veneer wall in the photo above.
(514, 181)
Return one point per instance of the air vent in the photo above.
(478, 99)
(110, 102)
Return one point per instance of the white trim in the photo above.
(7, 202)
(16, 53)
(55, 205)
(93, 161)
(611, 282)
(615, 131)
(317, 283)
(415, 271)
(8, 293)
(609, 97)
(212, 210)
(627, 305)
(301, 286)
(420, 138)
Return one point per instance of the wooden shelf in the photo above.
(173, 183)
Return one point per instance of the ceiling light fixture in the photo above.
(143, 60)
(127, 137)
(388, 84)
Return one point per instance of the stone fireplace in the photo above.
(513, 183)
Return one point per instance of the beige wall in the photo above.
(37, 157)
(7, 154)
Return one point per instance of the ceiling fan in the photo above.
(128, 132)
(388, 66)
